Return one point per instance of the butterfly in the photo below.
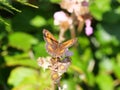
(53, 47)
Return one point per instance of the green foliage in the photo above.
(95, 62)
(8, 7)
(24, 78)
(38, 21)
(99, 7)
(25, 2)
(16, 41)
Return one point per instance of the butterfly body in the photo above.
(53, 47)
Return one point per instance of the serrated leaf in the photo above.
(22, 41)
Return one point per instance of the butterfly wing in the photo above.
(64, 46)
(48, 37)
(69, 43)
(51, 42)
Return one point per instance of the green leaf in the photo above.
(22, 75)
(20, 59)
(117, 66)
(90, 78)
(102, 35)
(55, 1)
(84, 42)
(118, 1)
(117, 70)
(22, 41)
(99, 7)
(25, 2)
(114, 13)
(23, 78)
(69, 84)
(40, 48)
(8, 7)
(38, 21)
(3, 21)
(77, 64)
(106, 65)
(105, 82)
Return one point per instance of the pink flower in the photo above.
(62, 19)
(88, 28)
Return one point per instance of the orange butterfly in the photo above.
(54, 48)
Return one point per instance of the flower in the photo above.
(55, 77)
(79, 7)
(62, 67)
(62, 19)
(70, 5)
(44, 62)
(88, 28)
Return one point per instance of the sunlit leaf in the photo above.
(117, 66)
(20, 59)
(90, 78)
(105, 82)
(106, 65)
(22, 75)
(8, 7)
(69, 84)
(55, 1)
(25, 2)
(23, 78)
(3, 21)
(22, 41)
(38, 21)
(96, 10)
(40, 50)
(102, 35)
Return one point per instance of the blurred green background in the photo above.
(95, 62)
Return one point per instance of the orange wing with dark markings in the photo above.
(51, 42)
(68, 43)
(54, 48)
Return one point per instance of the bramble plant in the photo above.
(59, 45)
(79, 15)
(60, 56)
